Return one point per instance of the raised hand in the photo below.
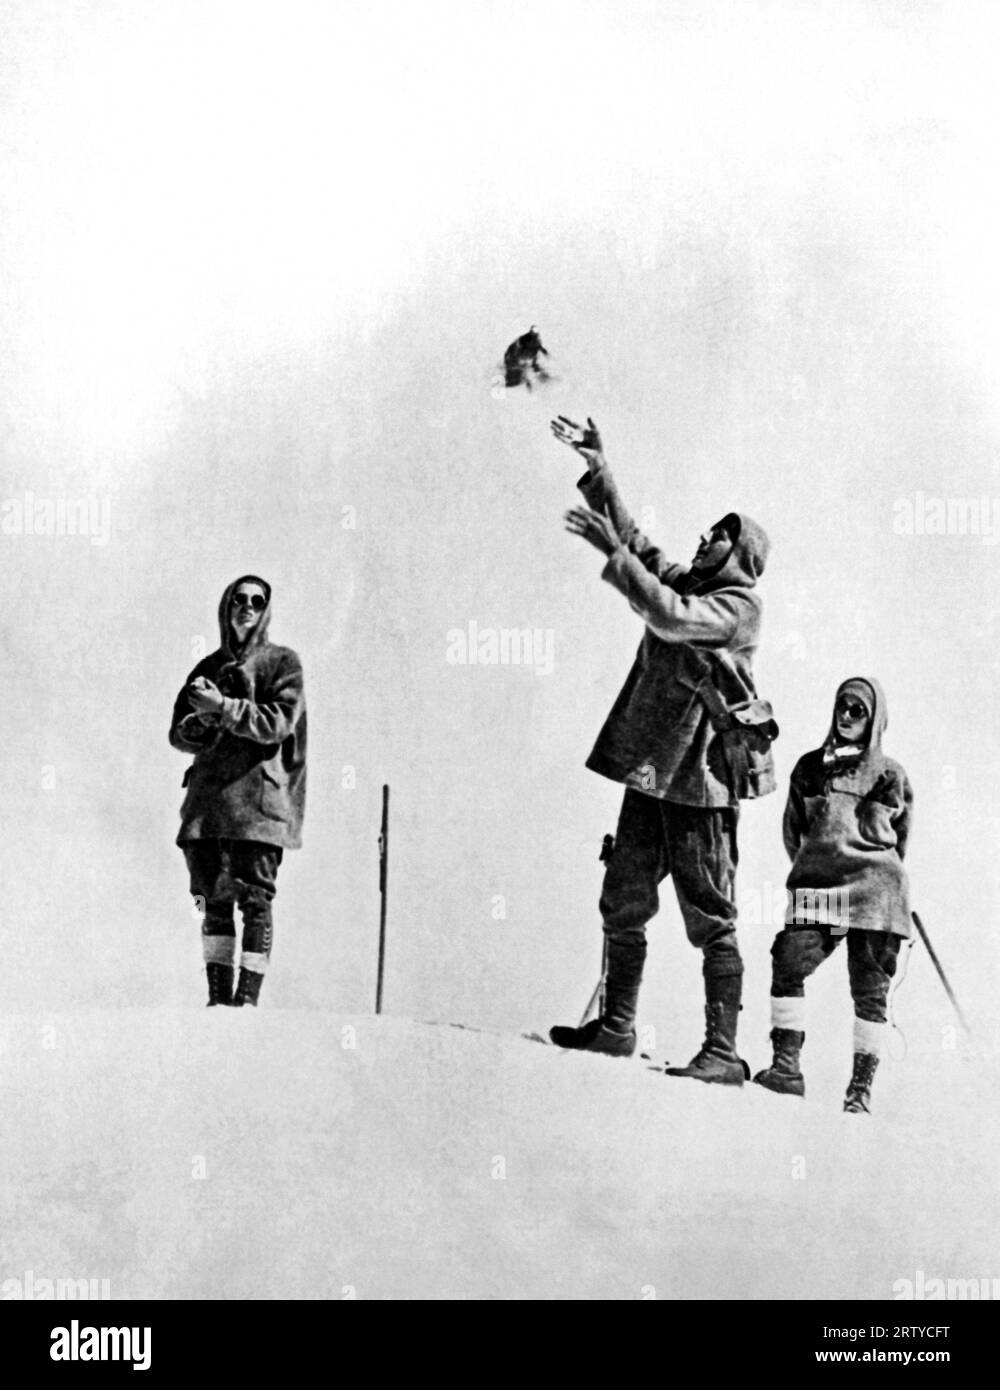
(586, 440)
(593, 527)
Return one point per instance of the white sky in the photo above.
(194, 180)
(259, 263)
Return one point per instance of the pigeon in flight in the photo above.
(521, 366)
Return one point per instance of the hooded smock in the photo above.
(846, 824)
(659, 737)
(248, 778)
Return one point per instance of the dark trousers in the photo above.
(871, 964)
(697, 847)
(229, 872)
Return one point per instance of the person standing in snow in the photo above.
(846, 825)
(689, 740)
(242, 714)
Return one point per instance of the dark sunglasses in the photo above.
(854, 709)
(255, 601)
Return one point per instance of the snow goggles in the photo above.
(854, 709)
(254, 601)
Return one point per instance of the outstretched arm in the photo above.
(707, 620)
(601, 493)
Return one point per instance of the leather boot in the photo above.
(614, 1032)
(248, 987)
(718, 1059)
(783, 1075)
(859, 1088)
(220, 983)
(594, 1036)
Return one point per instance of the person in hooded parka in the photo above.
(689, 739)
(846, 826)
(242, 714)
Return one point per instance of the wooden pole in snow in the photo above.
(383, 885)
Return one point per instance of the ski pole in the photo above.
(383, 886)
(595, 998)
(607, 849)
(937, 966)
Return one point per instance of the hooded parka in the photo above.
(659, 737)
(846, 824)
(248, 778)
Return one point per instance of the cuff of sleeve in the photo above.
(592, 487)
(226, 711)
(616, 563)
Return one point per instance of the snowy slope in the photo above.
(225, 1154)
